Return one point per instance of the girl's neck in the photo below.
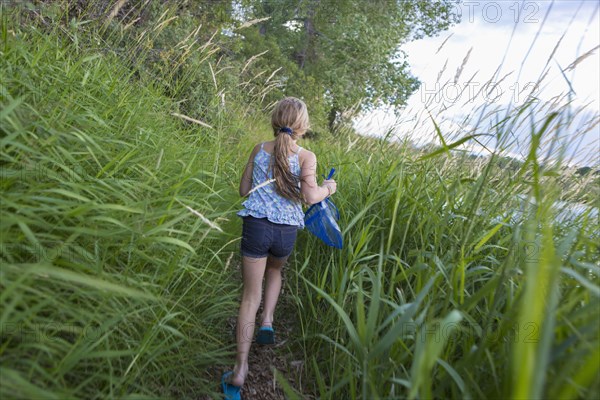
(293, 145)
(294, 142)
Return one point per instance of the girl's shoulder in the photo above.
(267, 146)
(255, 150)
(307, 156)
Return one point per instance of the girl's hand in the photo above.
(331, 184)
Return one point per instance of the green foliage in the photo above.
(107, 277)
(350, 49)
(441, 291)
(118, 234)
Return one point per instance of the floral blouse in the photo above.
(264, 200)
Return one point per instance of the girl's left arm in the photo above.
(246, 181)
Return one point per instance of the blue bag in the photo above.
(321, 220)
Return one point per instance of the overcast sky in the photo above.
(520, 37)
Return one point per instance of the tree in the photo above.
(346, 53)
(583, 171)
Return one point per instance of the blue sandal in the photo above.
(266, 335)
(230, 391)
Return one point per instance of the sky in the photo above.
(521, 37)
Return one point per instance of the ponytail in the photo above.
(286, 182)
(289, 121)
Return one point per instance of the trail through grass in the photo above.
(119, 241)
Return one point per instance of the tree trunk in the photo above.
(311, 33)
(332, 119)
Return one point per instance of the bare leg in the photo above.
(253, 270)
(272, 288)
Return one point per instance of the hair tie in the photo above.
(287, 130)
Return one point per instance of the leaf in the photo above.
(455, 376)
(352, 333)
(491, 233)
(289, 391)
(46, 270)
(171, 240)
(449, 147)
(594, 289)
(393, 334)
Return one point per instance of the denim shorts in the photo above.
(261, 237)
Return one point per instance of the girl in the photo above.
(279, 176)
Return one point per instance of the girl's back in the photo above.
(264, 200)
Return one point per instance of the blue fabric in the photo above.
(287, 130)
(321, 220)
(265, 201)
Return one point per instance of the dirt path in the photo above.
(261, 383)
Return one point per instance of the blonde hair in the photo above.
(290, 122)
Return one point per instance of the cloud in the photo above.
(471, 74)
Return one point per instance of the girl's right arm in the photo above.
(311, 191)
(246, 181)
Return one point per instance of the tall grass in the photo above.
(115, 219)
(440, 293)
(447, 285)
(119, 236)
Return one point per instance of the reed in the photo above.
(119, 174)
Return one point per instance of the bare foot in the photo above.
(239, 375)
